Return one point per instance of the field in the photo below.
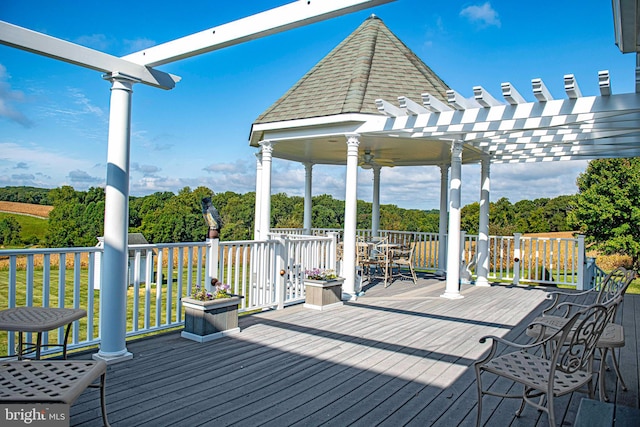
(40, 211)
(33, 220)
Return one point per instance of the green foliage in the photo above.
(164, 217)
(9, 231)
(607, 208)
(32, 230)
(77, 218)
(37, 196)
(174, 219)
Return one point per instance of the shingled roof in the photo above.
(370, 63)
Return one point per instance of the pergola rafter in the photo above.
(547, 129)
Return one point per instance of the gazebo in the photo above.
(373, 103)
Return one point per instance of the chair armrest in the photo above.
(495, 341)
(557, 295)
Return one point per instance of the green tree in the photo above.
(470, 217)
(9, 232)
(607, 207)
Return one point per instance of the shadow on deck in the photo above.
(396, 356)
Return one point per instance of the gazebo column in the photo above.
(350, 217)
(482, 266)
(308, 206)
(113, 290)
(265, 192)
(442, 227)
(258, 198)
(452, 290)
(375, 206)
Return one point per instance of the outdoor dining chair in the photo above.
(613, 286)
(568, 368)
(403, 258)
(377, 259)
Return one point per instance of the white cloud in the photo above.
(146, 170)
(82, 177)
(484, 15)
(136, 45)
(81, 99)
(95, 41)
(9, 97)
(23, 177)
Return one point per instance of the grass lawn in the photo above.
(30, 227)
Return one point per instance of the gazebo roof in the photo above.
(374, 86)
(371, 63)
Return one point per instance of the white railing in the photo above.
(268, 274)
(70, 277)
(516, 259)
(51, 278)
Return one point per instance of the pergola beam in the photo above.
(289, 16)
(484, 98)
(604, 82)
(42, 44)
(433, 104)
(540, 90)
(459, 102)
(511, 95)
(389, 109)
(410, 106)
(571, 87)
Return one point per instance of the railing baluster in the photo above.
(90, 295)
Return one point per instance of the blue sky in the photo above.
(54, 116)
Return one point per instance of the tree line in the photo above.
(606, 209)
(77, 217)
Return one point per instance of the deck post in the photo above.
(113, 292)
(213, 248)
(581, 265)
(265, 190)
(350, 217)
(375, 205)
(308, 198)
(442, 227)
(333, 249)
(452, 290)
(516, 258)
(256, 214)
(282, 248)
(482, 266)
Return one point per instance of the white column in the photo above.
(375, 206)
(350, 217)
(308, 206)
(482, 266)
(452, 290)
(256, 214)
(442, 227)
(113, 292)
(265, 196)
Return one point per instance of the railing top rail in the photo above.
(167, 245)
(43, 251)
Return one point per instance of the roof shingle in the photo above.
(370, 63)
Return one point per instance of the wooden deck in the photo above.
(397, 356)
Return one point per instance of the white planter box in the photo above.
(209, 320)
(323, 294)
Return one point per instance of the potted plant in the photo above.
(210, 315)
(323, 289)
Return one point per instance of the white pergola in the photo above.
(123, 73)
(481, 129)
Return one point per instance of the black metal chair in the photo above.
(568, 368)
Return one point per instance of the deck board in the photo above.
(398, 356)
